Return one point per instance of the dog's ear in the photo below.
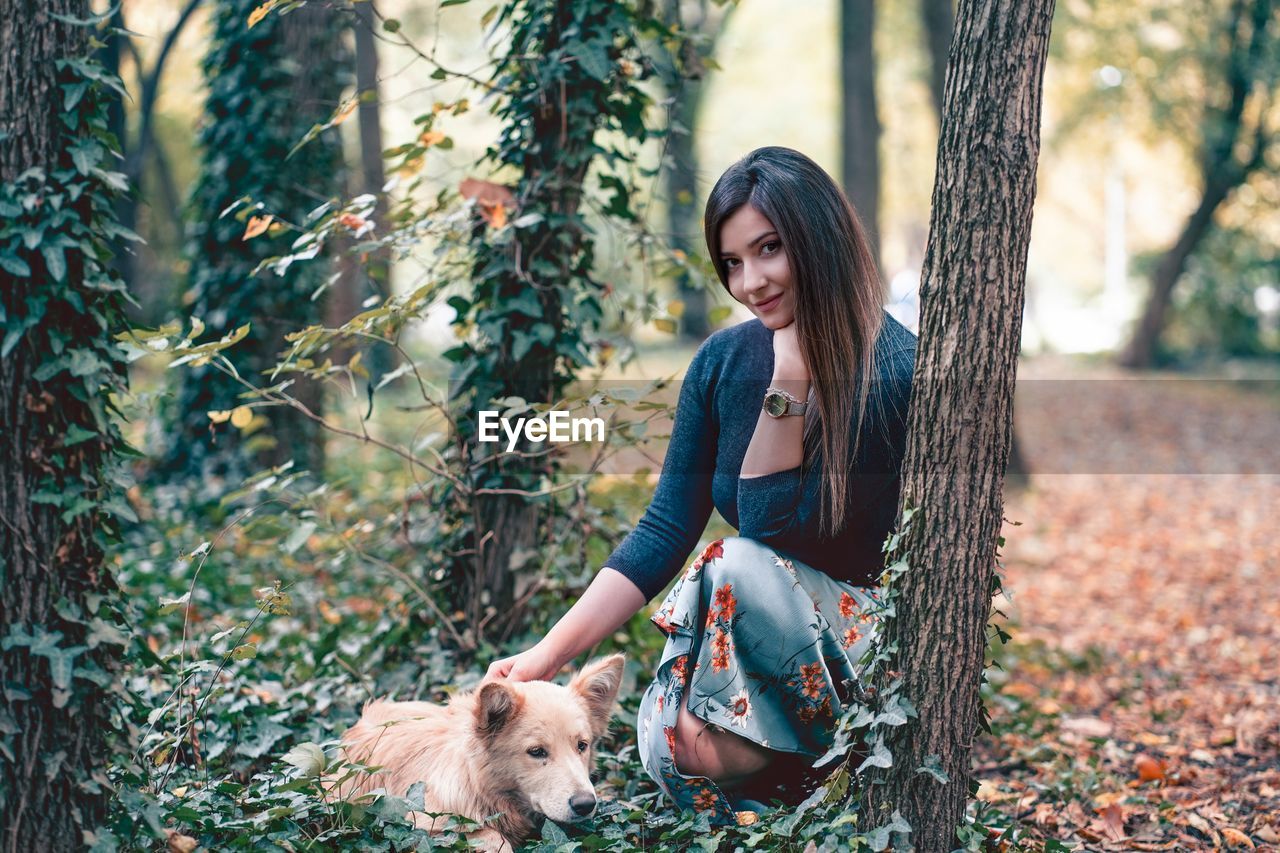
(496, 706)
(597, 686)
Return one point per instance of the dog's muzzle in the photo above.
(582, 804)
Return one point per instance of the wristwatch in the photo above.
(779, 403)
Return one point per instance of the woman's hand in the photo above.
(788, 363)
(534, 664)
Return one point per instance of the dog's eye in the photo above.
(582, 746)
(538, 752)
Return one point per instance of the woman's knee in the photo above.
(687, 745)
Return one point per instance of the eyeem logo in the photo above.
(558, 427)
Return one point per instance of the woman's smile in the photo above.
(769, 305)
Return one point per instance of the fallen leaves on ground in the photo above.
(1141, 705)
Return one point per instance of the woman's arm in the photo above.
(608, 603)
(651, 554)
(778, 443)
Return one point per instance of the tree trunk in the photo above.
(687, 71)
(860, 123)
(962, 409)
(296, 67)
(683, 220)
(1249, 38)
(362, 278)
(56, 370)
(1141, 351)
(938, 20)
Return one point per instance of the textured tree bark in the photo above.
(961, 410)
(860, 121)
(53, 740)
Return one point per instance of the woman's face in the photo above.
(756, 263)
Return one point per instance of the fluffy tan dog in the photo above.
(519, 749)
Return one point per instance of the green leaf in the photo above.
(933, 766)
(245, 651)
(77, 434)
(104, 632)
(15, 266)
(593, 59)
(169, 605)
(299, 535)
(553, 833)
(266, 734)
(448, 3)
(879, 757)
(85, 363)
(307, 757)
(61, 665)
(55, 261)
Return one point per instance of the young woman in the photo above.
(792, 424)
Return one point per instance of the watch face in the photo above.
(775, 404)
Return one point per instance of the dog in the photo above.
(520, 750)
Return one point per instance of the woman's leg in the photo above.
(720, 755)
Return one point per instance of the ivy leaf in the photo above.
(15, 266)
(553, 833)
(592, 58)
(300, 534)
(265, 735)
(933, 766)
(879, 757)
(244, 652)
(169, 605)
(77, 434)
(85, 363)
(104, 632)
(307, 757)
(55, 261)
(61, 665)
(880, 837)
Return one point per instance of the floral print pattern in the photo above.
(758, 644)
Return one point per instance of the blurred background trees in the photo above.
(259, 182)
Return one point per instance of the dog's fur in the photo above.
(474, 757)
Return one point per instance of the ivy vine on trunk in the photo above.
(269, 84)
(572, 70)
(60, 498)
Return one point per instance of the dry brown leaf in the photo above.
(1113, 818)
(1086, 726)
(1149, 769)
(1235, 838)
(176, 842)
(257, 226)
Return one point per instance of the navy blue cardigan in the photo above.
(715, 420)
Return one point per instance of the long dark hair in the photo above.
(839, 308)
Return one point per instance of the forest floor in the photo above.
(1140, 708)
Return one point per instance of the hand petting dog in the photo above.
(520, 749)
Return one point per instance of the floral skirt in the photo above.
(761, 645)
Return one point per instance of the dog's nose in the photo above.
(582, 804)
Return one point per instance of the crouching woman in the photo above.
(792, 425)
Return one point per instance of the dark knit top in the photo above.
(715, 419)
